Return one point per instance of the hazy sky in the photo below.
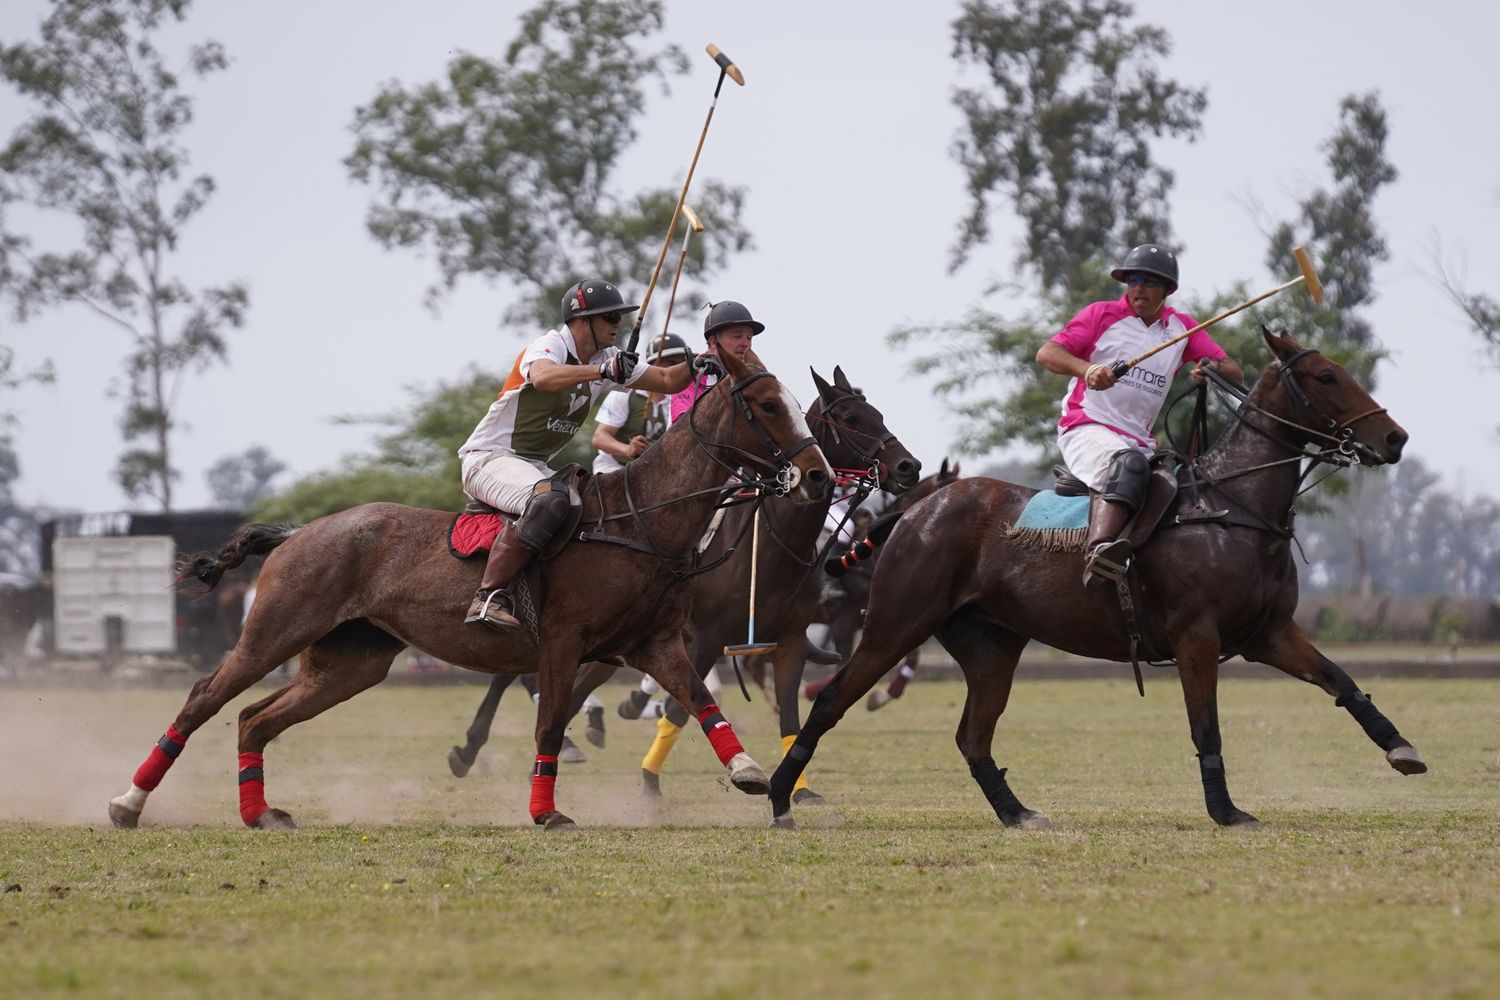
(842, 136)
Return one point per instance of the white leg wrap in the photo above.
(134, 800)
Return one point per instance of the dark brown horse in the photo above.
(854, 438)
(351, 590)
(1216, 579)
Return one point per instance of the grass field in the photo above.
(405, 880)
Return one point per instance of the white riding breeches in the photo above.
(501, 479)
(1087, 448)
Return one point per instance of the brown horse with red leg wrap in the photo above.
(351, 590)
(1216, 579)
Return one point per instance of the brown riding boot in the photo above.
(1107, 554)
(491, 603)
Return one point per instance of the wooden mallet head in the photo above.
(1309, 273)
(718, 56)
(695, 223)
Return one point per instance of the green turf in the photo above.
(406, 881)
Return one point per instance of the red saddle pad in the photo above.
(473, 534)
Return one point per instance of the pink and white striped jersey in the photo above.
(1106, 332)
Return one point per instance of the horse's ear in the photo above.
(733, 366)
(824, 389)
(841, 380)
(943, 469)
(954, 470)
(1280, 344)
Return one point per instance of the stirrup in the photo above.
(493, 611)
(1107, 561)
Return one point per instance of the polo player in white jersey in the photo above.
(1105, 430)
(542, 405)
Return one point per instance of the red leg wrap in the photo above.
(150, 773)
(252, 787)
(543, 780)
(720, 734)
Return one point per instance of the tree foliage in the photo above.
(237, 481)
(504, 168)
(1062, 129)
(103, 146)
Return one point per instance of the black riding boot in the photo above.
(492, 603)
(1107, 554)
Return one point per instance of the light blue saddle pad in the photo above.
(1047, 510)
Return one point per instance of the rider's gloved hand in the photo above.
(708, 364)
(618, 367)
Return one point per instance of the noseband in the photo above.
(1338, 433)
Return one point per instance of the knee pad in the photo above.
(1126, 480)
(545, 513)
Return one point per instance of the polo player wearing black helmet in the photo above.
(543, 403)
(1105, 437)
(727, 329)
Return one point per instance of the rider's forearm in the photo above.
(605, 441)
(556, 377)
(1059, 360)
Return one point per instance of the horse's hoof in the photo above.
(747, 776)
(808, 797)
(570, 754)
(274, 819)
(783, 822)
(650, 784)
(1406, 760)
(879, 698)
(555, 820)
(1241, 820)
(595, 731)
(1033, 820)
(457, 764)
(633, 704)
(123, 818)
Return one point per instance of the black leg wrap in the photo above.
(991, 781)
(788, 771)
(1376, 726)
(1215, 788)
(676, 714)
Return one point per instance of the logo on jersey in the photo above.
(558, 425)
(577, 400)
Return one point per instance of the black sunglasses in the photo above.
(613, 317)
(1140, 278)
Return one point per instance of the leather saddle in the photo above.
(572, 478)
(1161, 491)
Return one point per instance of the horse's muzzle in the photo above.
(815, 485)
(1394, 442)
(904, 475)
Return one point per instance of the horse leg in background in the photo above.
(879, 699)
(460, 759)
(673, 720)
(558, 663)
(787, 660)
(987, 653)
(904, 623)
(569, 753)
(1198, 668)
(667, 660)
(281, 624)
(353, 657)
(1288, 649)
(842, 629)
(590, 677)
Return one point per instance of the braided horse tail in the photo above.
(249, 540)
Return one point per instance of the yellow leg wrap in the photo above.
(666, 738)
(786, 744)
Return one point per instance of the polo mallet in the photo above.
(1309, 275)
(694, 225)
(726, 68)
(750, 647)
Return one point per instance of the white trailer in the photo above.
(114, 595)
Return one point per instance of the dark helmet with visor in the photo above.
(727, 313)
(1148, 258)
(668, 347)
(593, 297)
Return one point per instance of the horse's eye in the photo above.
(1327, 378)
(767, 407)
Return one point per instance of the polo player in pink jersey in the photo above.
(1105, 430)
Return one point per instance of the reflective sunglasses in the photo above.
(1141, 278)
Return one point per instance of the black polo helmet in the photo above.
(670, 346)
(593, 297)
(1148, 258)
(727, 313)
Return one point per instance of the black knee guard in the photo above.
(545, 513)
(1127, 478)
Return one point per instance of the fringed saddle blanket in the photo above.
(1052, 523)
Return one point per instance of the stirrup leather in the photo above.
(1107, 561)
